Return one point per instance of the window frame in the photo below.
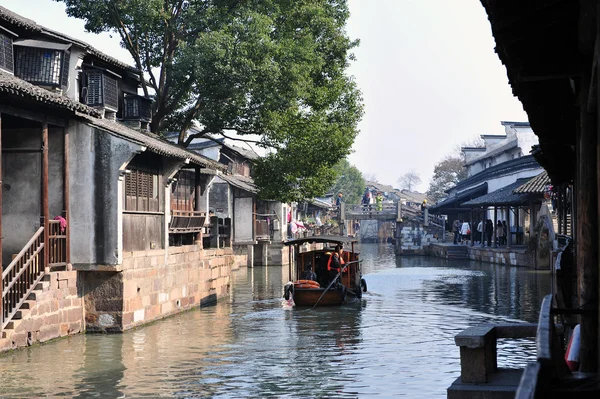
(145, 178)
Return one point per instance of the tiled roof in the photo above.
(205, 144)
(413, 196)
(243, 182)
(454, 202)
(537, 185)
(500, 149)
(502, 196)
(28, 24)
(380, 187)
(244, 152)
(521, 163)
(12, 85)
(320, 203)
(152, 142)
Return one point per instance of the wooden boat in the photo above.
(323, 289)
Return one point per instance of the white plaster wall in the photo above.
(73, 87)
(242, 220)
(491, 141)
(526, 139)
(212, 152)
(95, 160)
(503, 181)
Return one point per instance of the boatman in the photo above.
(335, 262)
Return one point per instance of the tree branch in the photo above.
(187, 122)
(126, 38)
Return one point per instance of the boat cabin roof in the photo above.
(322, 239)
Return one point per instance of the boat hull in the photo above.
(310, 296)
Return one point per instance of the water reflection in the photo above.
(397, 341)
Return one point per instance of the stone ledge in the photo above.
(97, 268)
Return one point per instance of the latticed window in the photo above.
(101, 90)
(137, 107)
(183, 191)
(40, 66)
(6, 52)
(142, 187)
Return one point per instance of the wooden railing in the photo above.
(57, 244)
(187, 221)
(21, 276)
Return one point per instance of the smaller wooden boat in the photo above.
(311, 283)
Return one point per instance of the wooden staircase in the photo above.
(28, 270)
(26, 307)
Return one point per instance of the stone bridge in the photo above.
(413, 231)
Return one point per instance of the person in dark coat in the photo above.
(489, 231)
(456, 229)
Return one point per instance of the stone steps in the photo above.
(26, 307)
(457, 252)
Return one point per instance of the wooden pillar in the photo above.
(45, 212)
(587, 226)
(66, 198)
(508, 235)
(495, 244)
(197, 202)
(483, 229)
(1, 268)
(471, 225)
(517, 225)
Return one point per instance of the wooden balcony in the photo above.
(186, 221)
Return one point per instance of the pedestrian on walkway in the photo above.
(489, 231)
(499, 233)
(379, 202)
(456, 230)
(479, 236)
(465, 231)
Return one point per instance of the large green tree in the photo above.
(268, 71)
(349, 182)
(446, 174)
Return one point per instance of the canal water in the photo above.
(397, 341)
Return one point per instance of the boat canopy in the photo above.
(322, 239)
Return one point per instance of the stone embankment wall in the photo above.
(55, 309)
(416, 238)
(502, 256)
(155, 284)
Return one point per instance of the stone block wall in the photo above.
(160, 283)
(415, 238)
(274, 254)
(502, 256)
(150, 285)
(55, 309)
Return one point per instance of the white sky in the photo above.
(427, 69)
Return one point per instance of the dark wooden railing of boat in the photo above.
(549, 367)
(57, 245)
(21, 276)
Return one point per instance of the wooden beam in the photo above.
(31, 115)
(587, 221)
(45, 212)
(66, 196)
(1, 280)
(21, 150)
